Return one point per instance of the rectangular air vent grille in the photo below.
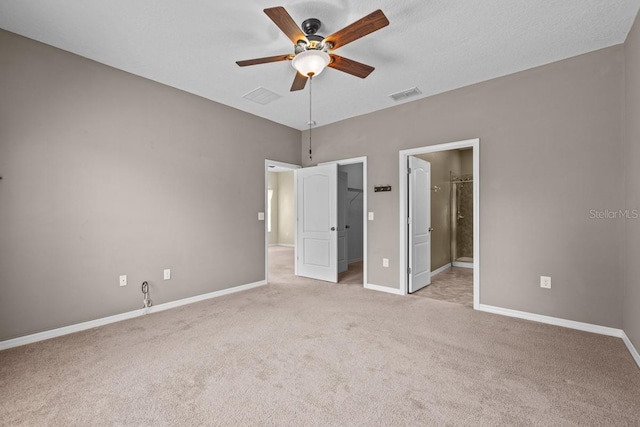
(261, 96)
(408, 93)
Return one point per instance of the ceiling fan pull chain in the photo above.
(310, 115)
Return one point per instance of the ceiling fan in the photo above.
(313, 52)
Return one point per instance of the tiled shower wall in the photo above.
(464, 229)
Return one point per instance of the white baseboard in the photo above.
(45, 335)
(52, 333)
(286, 245)
(631, 348)
(571, 324)
(386, 289)
(197, 298)
(351, 261)
(441, 269)
(462, 264)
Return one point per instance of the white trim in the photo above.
(286, 245)
(351, 261)
(571, 324)
(441, 269)
(386, 289)
(53, 333)
(203, 297)
(403, 156)
(365, 201)
(631, 348)
(268, 162)
(462, 264)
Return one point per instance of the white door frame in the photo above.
(365, 191)
(290, 166)
(403, 196)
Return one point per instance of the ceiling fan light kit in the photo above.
(311, 62)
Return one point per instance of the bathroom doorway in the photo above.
(451, 213)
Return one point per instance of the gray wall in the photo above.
(442, 163)
(273, 216)
(631, 309)
(550, 151)
(105, 173)
(466, 162)
(286, 218)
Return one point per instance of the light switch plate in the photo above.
(370, 216)
(123, 280)
(167, 274)
(260, 216)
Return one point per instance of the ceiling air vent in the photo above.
(261, 96)
(404, 94)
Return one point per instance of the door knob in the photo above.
(430, 229)
(333, 229)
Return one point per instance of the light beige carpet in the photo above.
(302, 352)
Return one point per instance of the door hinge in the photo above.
(409, 220)
(409, 270)
(409, 171)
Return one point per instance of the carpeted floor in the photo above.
(303, 352)
(452, 285)
(281, 267)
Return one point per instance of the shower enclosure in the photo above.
(461, 218)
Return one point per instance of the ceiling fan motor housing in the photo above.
(311, 26)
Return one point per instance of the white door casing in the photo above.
(343, 219)
(316, 222)
(419, 224)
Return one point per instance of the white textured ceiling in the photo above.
(436, 45)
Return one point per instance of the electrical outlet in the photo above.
(545, 282)
(370, 216)
(385, 262)
(123, 280)
(167, 274)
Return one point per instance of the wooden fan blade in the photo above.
(299, 82)
(266, 60)
(283, 20)
(350, 66)
(370, 23)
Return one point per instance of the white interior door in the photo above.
(419, 222)
(317, 221)
(343, 219)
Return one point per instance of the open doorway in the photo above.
(352, 225)
(439, 203)
(325, 246)
(351, 208)
(280, 233)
